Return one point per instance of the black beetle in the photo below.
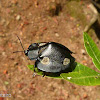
(50, 57)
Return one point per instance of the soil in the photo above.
(42, 21)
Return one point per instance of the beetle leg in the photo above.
(34, 68)
(43, 74)
(34, 74)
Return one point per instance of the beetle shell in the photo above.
(54, 58)
(50, 57)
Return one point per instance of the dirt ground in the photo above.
(42, 21)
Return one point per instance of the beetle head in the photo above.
(32, 51)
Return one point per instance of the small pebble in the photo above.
(3, 21)
(18, 17)
(57, 35)
(85, 95)
(3, 53)
(5, 72)
(83, 51)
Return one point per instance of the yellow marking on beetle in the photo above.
(45, 61)
(42, 44)
(66, 61)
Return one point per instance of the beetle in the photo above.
(50, 57)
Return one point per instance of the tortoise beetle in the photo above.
(50, 57)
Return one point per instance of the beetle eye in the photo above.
(26, 52)
(33, 46)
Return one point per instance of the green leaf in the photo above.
(31, 67)
(92, 50)
(82, 75)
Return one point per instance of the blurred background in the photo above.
(61, 21)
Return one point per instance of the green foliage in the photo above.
(92, 50)
(81, 75)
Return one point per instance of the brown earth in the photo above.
(42, 21)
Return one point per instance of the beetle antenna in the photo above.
(17, 51)
(21, 44)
